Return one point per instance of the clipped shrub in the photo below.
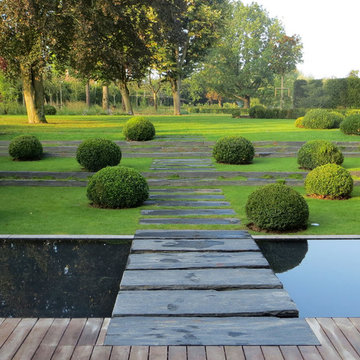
(117, 187)
(329, 181)
(337, 117)
(277, 207)
(318, 119)
(319, 152)
(257, 112)
(138, 128)
(95, 154)
(25, 147)
(299, 122)
(233, 150)
(49, 110)
(351, 125)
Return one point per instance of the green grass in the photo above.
(211, 126)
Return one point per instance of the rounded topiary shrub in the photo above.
(25, 147)
(329, 181)
(351, 125)
(319, 152)
(299, 122)
(277, 207)
(139, 128)
(117, 187)
(233, 150)
(49, 110)
(337, 117)
(318, 119)
(95, 154)
(257, 112)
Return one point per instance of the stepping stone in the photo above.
(194, 260)
(265, 302)
(187, 203)
(209, 331)
(189, 212)
(179, 191)
(193, 221)
(181, 169)
(224, 245)
(192, 234)
(187, 197)
(204, 279)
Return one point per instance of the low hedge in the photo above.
(318, 119)
(49, 110)
(95, 154)
(299, 122)
(337, 117)
(277, 207)
(329, 181)
(139, 128)
(25, 147)
(319, 152)
(351, 125)
(117, 187)
(233, 150)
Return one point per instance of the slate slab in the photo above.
(264, 302)
(214, 279)
(189, 212)
(209, 331)
(185, 191)
(192, 234)
(186, 203)
(224, 245)
(196, 260)
(190, 221)
(188, 196)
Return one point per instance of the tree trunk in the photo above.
(87, 93)
(105, 99)
(246, 100)
(175, 89)
(220, 101)
(155, 97)
(282, 92)
(33, 95)
(125, 94)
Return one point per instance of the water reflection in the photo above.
(284, 255)
(60, 279)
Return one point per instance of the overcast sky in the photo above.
(330, 33)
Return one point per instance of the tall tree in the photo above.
(33, 34)
(188, 29)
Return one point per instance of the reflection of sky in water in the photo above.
(327, 282)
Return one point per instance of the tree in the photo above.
(8, 93)
(188, 30)
(33, 34)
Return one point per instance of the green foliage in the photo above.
(95, 154)
(139, 128)
(233, 150)
(257, 112)
(351, 125)
(117, 187)
(25, 147)
(299, 122)
(319, 152)
(337, 117)
(329, 181)
(49, 110)
(318, 119)
(277, 207)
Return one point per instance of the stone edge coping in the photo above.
(305, 237)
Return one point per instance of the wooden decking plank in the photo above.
(33, 340)
(196, 353)
(253, 353)
(101, 353)
(356, 322)
(290, 353)
(327, 350)
(158, 353)
(159, 331)
(265, 302)
(215, 353)
(120, 353)
(63, 352)
(350, 332)
(6, 328)
(177, 353)
(199, 279)
(73, 332)
(193, 260)
(272, 353)
(139, 353)
(91, 331)
(234, 353)
(338, 339)
(310, 353)
(102, 333)
(223, 245)
(14, 341)
(82, 352)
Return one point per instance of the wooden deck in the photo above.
(83, 339)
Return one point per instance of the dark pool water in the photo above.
(321, 276)
(60, 279)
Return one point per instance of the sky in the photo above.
(329, 30)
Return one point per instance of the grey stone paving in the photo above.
(188, 196)
(185, 191)
(190, 221)
(188, 212)
(186, 203)
(192, 234)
